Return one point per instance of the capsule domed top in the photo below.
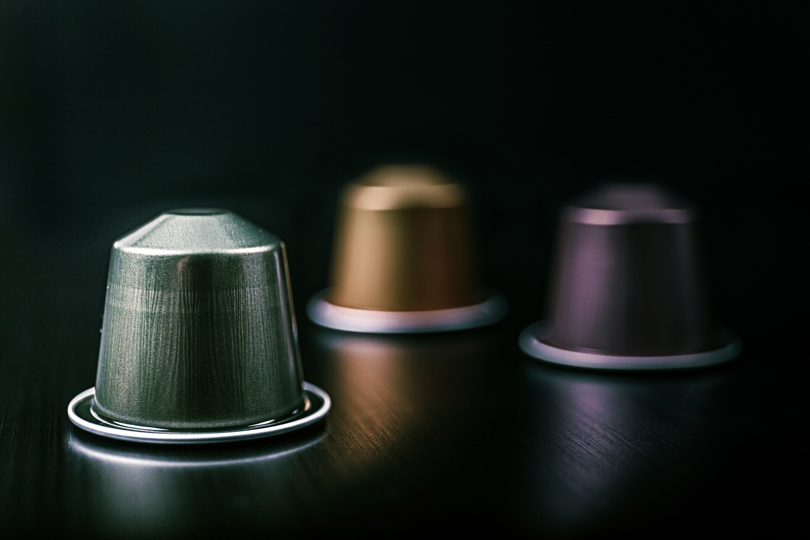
(402, 187)
(625, 203)
(196, 231)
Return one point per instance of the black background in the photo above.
(111, 113)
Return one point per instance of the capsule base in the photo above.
(543, 351)
(405, 322)
(316, 404)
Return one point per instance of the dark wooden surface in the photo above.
(452, 433)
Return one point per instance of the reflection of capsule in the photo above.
(396, 387)
(158, 492)
(614, 447)
(404, 366)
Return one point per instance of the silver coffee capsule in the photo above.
(628, 290)
(199, 340)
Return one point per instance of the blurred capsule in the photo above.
(627, 289)
(403, 258)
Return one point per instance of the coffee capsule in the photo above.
(199, 341)
(627, 288)
(403, 259)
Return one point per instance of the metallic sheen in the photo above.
(80, 411)
(199, 331)
(403, 258)
(531, 345)
(627, 288)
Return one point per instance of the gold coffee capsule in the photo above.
(403, 258)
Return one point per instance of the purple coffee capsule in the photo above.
(627, 287)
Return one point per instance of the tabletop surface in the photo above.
(456, 432)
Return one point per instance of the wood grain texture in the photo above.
(452, 434)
